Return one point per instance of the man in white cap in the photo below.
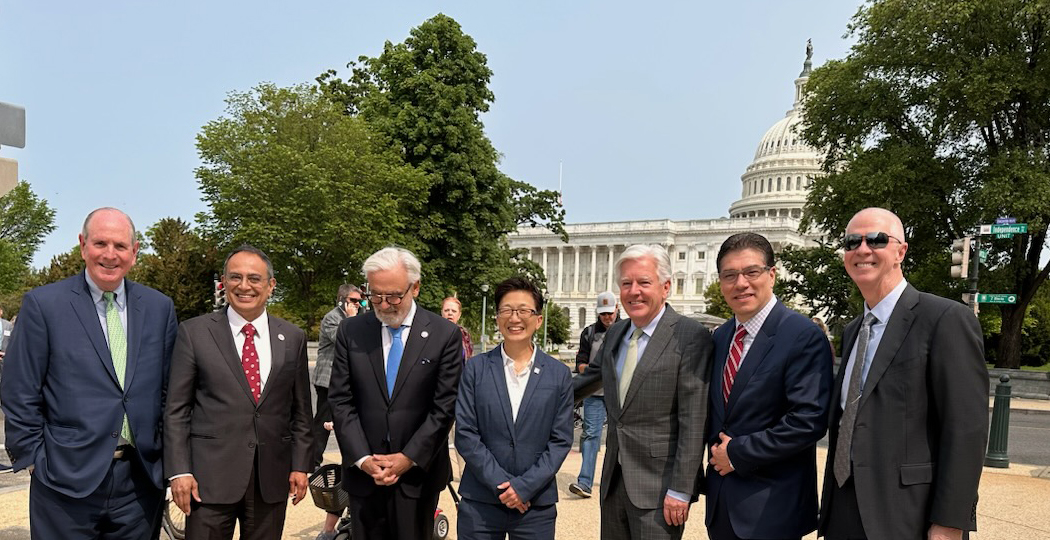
(593, 406)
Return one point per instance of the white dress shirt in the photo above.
(516, 382)
(388, 340)
(262, 340)
(882, 312)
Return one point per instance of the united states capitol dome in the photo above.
(777, 181)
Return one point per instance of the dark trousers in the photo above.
(387, 514)
(259, 519)
(622, 520)
(485, 521)
(324, 414)
(721, 528)
(126, 506)
(843, 512)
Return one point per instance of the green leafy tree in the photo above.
(181, 265)
(941, 112)
(557, 325)
(25, 219)
(286, 171)
(426, 96)
(716, 303)
(817, 279)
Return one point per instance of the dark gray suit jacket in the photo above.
(922, 425)
(657, 437)
(214, 429)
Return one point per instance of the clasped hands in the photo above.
(510, 498)
(386, 469)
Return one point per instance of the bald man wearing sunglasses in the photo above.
(909, 415)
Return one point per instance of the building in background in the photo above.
(773, 191)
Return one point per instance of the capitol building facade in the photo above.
(773, 192)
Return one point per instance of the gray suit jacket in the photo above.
(5, 327)
(922, 425)
(657, 437)
(212, 426)
(326, 346)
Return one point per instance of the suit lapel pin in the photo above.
(424, 334)
(536, 370)
(280, 337)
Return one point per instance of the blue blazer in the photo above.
(63, 404)
(777, 411)
(528, 451)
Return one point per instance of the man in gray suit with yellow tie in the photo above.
(654, 368)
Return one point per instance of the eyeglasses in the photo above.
(522, 313)
(392, 299)
(233, 280)
(875, 240)
(750, 273)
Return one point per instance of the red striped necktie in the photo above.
(736, 354)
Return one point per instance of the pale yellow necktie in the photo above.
(629, 363)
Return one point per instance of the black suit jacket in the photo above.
(415, 420)
(922, 425)
(777, 411)
(213, 428)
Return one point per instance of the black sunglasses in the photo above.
(875, 240)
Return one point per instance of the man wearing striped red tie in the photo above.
(768, 405)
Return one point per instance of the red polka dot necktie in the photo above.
(736, 354)
(250, 361)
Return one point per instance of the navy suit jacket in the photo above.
(527, 451)
(777, 411)
(62, 402)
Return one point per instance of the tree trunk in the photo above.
(1008, 354)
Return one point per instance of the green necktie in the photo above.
(629, 363)
(118, 350)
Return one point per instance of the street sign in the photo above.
(1005, 220)
(1004, 235)
(997, 298)
(984, 255)
(12, 125)
(1013, 228)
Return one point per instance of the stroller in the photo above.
(327, 494)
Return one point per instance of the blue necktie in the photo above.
(393, 360)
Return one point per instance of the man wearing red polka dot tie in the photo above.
(237, 428)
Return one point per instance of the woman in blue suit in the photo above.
(513, 426)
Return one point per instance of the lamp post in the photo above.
(484, 299)
(546, 302)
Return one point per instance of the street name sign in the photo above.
(997, 298)
(1011, 228)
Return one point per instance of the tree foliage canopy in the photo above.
(181, 265)
(286, 171)
(941, 113)
(426, 96)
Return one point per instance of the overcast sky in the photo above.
(655, 109)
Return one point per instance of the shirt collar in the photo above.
(408, 318)
(508, 361)
(884, 308)
(754, 324)
(237, 322)
(96, 291)
(649, 328)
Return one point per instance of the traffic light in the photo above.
(961, 258)
(220, 294)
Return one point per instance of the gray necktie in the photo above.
(844, 446)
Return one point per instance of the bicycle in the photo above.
(174, 523)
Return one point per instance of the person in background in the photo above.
(348, 304)
(452, 310)
(591, 338)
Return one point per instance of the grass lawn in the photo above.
(1043, 368)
